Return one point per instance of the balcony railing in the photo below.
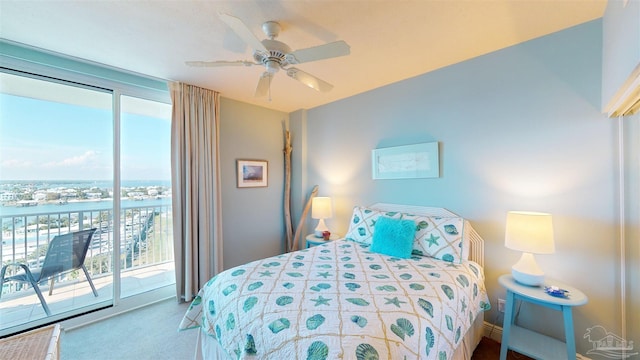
(146, 238)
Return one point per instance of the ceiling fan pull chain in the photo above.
(270, 76)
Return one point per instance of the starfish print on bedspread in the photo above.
(395, 301)
(321, 301)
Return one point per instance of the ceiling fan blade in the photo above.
(242, 31)
(263, 84)
(326, 51)
(309, 80)
(219, 63)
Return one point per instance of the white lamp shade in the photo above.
(321, 208)
(529, 232)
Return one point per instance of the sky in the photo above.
(47, 140)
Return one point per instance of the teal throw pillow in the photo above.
(393, 237)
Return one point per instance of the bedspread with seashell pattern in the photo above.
(340, 301)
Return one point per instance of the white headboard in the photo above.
(476, 251)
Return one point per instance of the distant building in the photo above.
(68, 193)
(7, 196)
(93, 195)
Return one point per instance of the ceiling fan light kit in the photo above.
(271, 29)
(275, 55)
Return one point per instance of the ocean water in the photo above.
(78, 206)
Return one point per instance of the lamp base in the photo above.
(320, 228)
(527, 279)
(527, 272)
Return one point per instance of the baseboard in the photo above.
(494, 332)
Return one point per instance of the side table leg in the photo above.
(506, 324)
(570, 337)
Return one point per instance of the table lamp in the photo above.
(531, 233)
(321, 209)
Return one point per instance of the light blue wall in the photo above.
(252, 222)
(519, 129)
(621, 46)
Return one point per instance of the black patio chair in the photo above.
(66, 252)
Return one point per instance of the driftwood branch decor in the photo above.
(292, 238)
(313, 194)
(287, 190)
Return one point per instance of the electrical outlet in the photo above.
(501, 305)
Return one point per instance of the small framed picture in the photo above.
(252, 173)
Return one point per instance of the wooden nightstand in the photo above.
(531, 343)
(312, 240)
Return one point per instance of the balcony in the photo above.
(146, 258)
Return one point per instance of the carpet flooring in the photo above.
(151, 333)
(147, 333)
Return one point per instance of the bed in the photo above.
(353, 298)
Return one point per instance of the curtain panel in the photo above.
(195, 168)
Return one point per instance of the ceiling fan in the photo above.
(275, 55)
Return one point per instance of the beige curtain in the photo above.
(197, 220)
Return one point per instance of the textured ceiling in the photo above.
(390, 40)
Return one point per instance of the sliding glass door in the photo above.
(76, 157)
(145, 201)
(56, 166)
